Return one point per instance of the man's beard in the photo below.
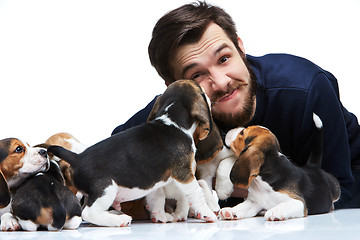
(243, 117)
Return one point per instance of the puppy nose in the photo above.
(43, 152)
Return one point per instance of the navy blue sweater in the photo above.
(290, 89)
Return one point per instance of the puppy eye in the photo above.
(242, 132)
(19, 149)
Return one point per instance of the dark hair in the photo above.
(181, 26)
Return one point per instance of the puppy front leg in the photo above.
(155, 204)
(291, 209)
(209, 197)
(195, 196)
(182, 204)
(223, 185)
(246, 209)
(98, 212)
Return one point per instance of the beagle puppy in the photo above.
(206, 150)
(274, 183)
(43, 200)
(133, 163)
(18, 161)
(135, 208)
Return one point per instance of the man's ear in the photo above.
(247, 167)
(4, 192)
(241, 45)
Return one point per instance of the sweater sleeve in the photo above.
(323, 99)
(139, 118)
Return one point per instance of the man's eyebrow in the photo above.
(192, 65)
(219, 49)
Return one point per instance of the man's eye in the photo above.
(19, 149)
(196, 76)
(223, 59)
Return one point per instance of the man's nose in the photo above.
(219, 80)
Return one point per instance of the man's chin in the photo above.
(232, 120)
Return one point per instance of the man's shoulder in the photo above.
(284, 71)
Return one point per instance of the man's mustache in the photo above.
(232, 86)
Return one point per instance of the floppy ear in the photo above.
(247, 167)
(43, 145)
(154, 110)
(207, 148)
(201, 112)
(4, 192)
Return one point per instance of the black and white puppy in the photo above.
(274, 183)
(133, 163)
(43, 200)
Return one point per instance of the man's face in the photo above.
(216, 64)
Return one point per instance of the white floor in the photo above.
(340, 224)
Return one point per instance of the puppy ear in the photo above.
(4, 192)
(43, 145)
(207, 148)
(201, 112)
(154, 110)
(247, 167)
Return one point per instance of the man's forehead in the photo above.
(213, 41)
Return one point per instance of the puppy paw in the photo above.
(276, 214)
(125, 220)
(73, 223)
(161, 217)
(28, 225)
(180, 216)
(228, 214)
(241, 211)
(9, 222)
(207, 216)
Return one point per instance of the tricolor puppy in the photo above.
(66, 140)
(275, 183)
(43, 200)
(131, 164)
(206, 150)
(17, 162)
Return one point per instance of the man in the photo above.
(199, 42)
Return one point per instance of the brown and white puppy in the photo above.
(133, 163)
(274, 183)
(17, 162)
(43, 201)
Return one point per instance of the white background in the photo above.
(82, 66)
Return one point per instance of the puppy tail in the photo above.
(68, 156)
(317, 148)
